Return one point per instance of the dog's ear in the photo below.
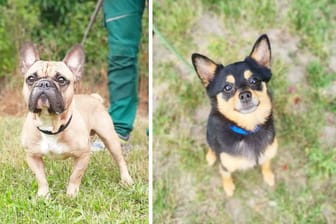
(261, 51)
(75, 59)
(28, 56)
(204, 67)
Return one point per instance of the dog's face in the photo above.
(239, 91)
(49, 85)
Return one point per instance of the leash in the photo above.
(92, 19)
(171, 48)
(164, 40)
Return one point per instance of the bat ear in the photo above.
(205, 68)
(28, 56)
(75, 59)
(261, 51)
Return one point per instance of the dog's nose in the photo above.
(44, 84)
(245, 96)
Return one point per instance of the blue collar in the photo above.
(241, 131)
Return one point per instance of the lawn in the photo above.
(101, 199)
(303, 86)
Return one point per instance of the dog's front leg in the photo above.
(211, 157)
(80, 165)
(267, 173)
(37, 166)
(227, 181)
(266, 166)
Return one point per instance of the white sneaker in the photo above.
(97, 145)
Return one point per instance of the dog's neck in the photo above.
(241, 131)
(61, 128)
(52, 123)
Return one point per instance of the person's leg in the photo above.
(123, 23)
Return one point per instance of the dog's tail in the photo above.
(98, 97)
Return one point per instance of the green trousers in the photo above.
(123, 23)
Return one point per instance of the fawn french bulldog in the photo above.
(59, 122)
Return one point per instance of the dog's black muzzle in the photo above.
(48, 94)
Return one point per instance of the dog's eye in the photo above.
(228, 87)
(253, 81)
(31, 79)
(61, 80)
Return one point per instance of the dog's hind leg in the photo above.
(105, 130)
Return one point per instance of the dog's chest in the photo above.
(51, 147)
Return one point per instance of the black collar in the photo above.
(61, 128)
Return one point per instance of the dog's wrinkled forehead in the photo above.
(50, 69)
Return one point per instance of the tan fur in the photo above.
(234, 163)
(211, 157)
(247, 74)
(261, 54)
(227, 182)
(88, 115)
(230, 79)
(267, 173)
(98, 97)
(251, 120)
(206, 70)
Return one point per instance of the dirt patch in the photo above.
(202, 31)
(236, 209)
(329, 213)
(328, 132)
(11, 103)
(284, 45)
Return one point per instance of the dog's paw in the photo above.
(228, 186)
(211, 157)
(43, 192)
(229, 189)
(127, 180)
(269, 178)
(72, 190)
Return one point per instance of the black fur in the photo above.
(220, 137)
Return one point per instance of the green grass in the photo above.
(101, 199)
(185, 189)
(313, 20)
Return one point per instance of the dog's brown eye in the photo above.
(61, 80)
(228, 87)
(253, 81)
(31, 79)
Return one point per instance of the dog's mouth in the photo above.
(247, 108)
(46, 98)
(246, 102)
